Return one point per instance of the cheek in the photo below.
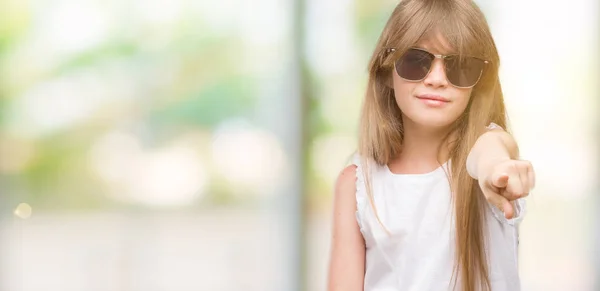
(403, 90)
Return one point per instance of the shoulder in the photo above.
(346, 182)
(344, 196)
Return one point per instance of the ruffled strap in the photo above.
(361, 191)
(493, 126)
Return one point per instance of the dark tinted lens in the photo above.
(463, 71)
(414, 65)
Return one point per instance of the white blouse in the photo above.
(418, 254)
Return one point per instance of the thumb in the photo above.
(500, 181)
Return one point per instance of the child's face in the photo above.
(432, 102)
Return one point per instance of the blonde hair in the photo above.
(381, 135)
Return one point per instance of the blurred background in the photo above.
(193, 145)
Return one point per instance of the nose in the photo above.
(437, 75)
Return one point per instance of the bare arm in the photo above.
(347, 261)
(491, 147)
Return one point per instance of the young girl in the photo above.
(434, 196)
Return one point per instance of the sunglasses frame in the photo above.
(443, 57)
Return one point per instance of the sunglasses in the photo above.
(461, 71)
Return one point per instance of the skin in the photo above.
(492, 161)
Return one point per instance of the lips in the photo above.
(433, 97)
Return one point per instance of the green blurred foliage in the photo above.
(189, 81)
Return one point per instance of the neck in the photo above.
(422, 148)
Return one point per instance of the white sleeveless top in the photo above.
(418, 255)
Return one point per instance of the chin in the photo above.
(434, 122)
(437, 124)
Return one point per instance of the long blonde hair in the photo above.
(465, 28)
